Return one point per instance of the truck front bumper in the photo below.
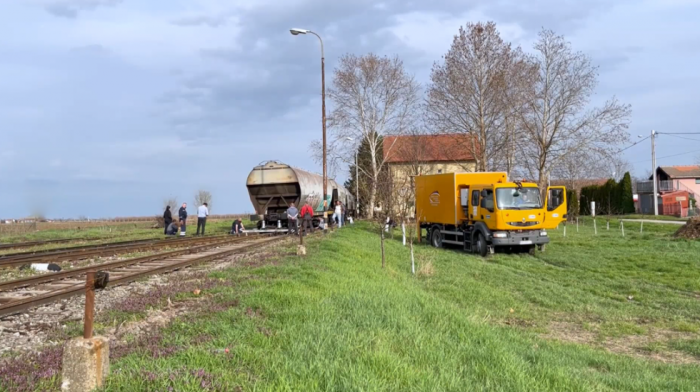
(532, 237)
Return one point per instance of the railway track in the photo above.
(99, 250)
(53, 287)
(30, 244)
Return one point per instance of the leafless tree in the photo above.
(556, 121)
(472, 92)
(372, 97)
(202, 197)
(171, 202)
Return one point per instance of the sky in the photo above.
(108, 107)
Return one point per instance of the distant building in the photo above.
(676, 185)
(413, 155)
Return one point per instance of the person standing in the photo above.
(306, 214)
(202, 214)
(167, 219)
(338, 214)
(292, 214)
(182, 214)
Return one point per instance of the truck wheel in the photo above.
(481, 247)
(436, 237)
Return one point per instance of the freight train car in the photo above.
(273, 185)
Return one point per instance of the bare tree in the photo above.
(556, 121)
(472, 91)
(171, 202)
(202, 197)
(373, 97)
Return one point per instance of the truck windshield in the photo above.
(518, 199)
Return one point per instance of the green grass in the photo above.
(335, 320)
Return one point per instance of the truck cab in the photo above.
(488, 214)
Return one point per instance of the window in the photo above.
(697, 180)
(487, 200)
(555, 199)
(475, 198)
(464, 196)
(514, 199)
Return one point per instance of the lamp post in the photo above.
(323, 115)
(357, 181)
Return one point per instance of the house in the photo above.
(407, 156)
(677, 186)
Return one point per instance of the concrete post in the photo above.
(85, 364)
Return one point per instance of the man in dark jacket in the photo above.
(167, 218)
(183, 218)
(171, 229)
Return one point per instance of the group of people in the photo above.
(172, 226)
(293, 214)
(307, 214)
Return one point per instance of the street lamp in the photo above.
(357, 181)
(323, 115)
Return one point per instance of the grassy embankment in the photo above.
(593, 313)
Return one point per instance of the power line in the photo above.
(628, 147)
(681, 137)
(668, 156)
(678, 133)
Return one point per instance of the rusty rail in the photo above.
(34, 280)
(99, 250)
(18, 305)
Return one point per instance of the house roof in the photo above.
(428, 148)
(691, 171)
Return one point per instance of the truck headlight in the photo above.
(500, 235)
(543, 233)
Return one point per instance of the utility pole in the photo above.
(357, 187)
(653, 170)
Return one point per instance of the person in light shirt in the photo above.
(202, 214)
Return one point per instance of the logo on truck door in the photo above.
(434, 198)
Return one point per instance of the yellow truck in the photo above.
(484, 211)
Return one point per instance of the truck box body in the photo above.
(438, 198)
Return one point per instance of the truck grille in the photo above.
(523, 224)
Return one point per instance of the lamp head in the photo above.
(298, 31)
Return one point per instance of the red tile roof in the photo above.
(428, 148)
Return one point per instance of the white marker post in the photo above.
(403, 230)
(595, 227)
(622, 227)
(641, 228)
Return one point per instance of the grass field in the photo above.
(593, 313)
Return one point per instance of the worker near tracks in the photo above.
(172, 227)
(182, 214)
(307, 213)
(237, 227)
(338, 214)
(292, 214)
(202, 214)
(167, 219)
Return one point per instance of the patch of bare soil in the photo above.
(632, 345)
(690, 231)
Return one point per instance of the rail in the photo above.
(120, 273)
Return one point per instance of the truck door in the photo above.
(487, 211)
(555, 205)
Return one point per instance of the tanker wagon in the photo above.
(273, 185)
(483, 211)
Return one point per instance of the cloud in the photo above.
(158, 98)
(71, 8)
(202, 20)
